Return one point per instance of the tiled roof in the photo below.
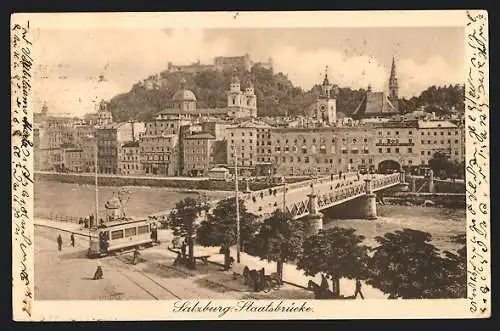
(435, 124)
(200, 136)
(130, 144)
(374, 104)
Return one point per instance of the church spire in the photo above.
(326, 87)
(393, 84)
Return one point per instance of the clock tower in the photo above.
(326, 104)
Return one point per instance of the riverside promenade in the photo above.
(291, 275)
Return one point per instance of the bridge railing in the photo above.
(293, 186)
(386, 180)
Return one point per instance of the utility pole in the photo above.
(96, 185)
(238, 244)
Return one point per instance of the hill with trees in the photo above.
(276, 95)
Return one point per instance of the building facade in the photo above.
(198, 154)
(129, 159)
(159, 154)
(107, 149)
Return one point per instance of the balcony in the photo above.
(394, 143)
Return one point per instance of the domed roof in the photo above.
(184, 95)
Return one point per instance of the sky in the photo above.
(69, 62)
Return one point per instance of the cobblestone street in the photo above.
(67, 275)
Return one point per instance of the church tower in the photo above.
(326, 104)
(393, 86)
(234, 96)
(251, 100)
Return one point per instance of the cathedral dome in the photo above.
(184, 95)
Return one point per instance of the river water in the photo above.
(441, 223)
(79, 200)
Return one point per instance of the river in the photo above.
(78, 200)
(441, 223)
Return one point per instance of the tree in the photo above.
(182, 220)
(279, 239)
(335, 252)
(407, 266)
(441, 164)
(456, 265)
(219, 229)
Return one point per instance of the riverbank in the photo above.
(443, 200)
(185, 183)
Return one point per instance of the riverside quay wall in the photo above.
(171, 182)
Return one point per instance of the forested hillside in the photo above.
(276, 95)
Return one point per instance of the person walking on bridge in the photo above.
(72, 238)
(59, 242)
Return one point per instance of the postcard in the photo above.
(250, 165)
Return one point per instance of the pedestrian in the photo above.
(98, 272)
(59, 242)
(183, 249)
(340, 174)
(358, 289)
(137, 257)
(72, 238)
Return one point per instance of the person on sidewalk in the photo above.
(358, 289)
(72, 238)
(59, 242)
(183, 249)
(137, 257)
(98, 272)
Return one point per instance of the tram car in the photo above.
(122, 234)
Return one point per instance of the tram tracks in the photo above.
(146, 283)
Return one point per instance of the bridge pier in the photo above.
(314, 220)
(413, 184)
(367, 203)
(403, 185)
(431, 181)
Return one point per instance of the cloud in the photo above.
(122, 56)
(305, 68)
(72, 60)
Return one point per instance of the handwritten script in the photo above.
(477, 164)
(22, 151)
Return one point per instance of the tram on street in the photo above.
(122, 234)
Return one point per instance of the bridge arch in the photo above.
(388, 165)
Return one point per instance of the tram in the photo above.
(122, 234)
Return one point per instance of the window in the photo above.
(456, 141)
(350, 160)
(449, 133)
(283, 159)
(388, 133)
(365, 140)
(422, 153)
(380, 150)
(397, 133)
(306, 159)
(435, 133)
(428, 152)
(354, 141)
(410, 150)
(143, 229)
(397, 150)
(442, 133)
(388, 150)
(118, 234)
(379, 133)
